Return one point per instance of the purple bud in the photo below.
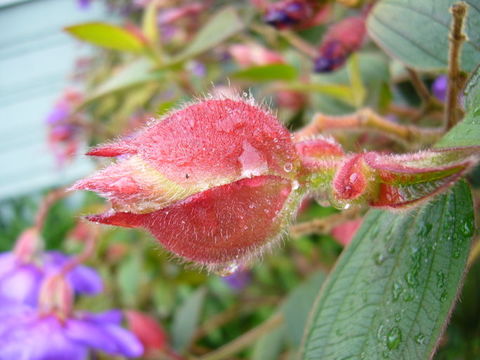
(439, 87)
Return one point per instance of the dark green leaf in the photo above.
(220, 27)
(416, 32)
(391, 292)
(186, 319)
(267, 73)
(107, 35)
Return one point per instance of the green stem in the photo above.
(240, 343)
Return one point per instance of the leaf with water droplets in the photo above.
(379, 303)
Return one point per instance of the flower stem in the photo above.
(323, 225)
(298, 43)
(368, 119)
(47, 202)
(240, 343)
(455, 77)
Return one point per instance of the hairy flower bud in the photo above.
(214, 182)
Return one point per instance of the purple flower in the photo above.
(439, 87)
(238, 280)
(20, 280)
(26, 333)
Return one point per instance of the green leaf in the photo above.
(358, 90)
(267, 73)
(186, 320)
(297, 307)
(392, 290)
(136, 73)
(220, 27)
(416, 32)
(128, 278)
(269, 346)
(107, 35)
(467, 132)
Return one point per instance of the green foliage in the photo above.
(267, 73)
(392, 290)
(108, 36)
(416, 32)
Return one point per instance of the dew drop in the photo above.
(379, 258)
(295, 185)
(252, 161)
(420, 338)
(397, 290)
(228, 270)
(440, 279)
(467, 229)
(288, 167)
(394, 338)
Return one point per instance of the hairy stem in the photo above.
(455, 77)
(368, 119)
(46, 204)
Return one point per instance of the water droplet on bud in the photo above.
(228, 270)
(288, 167)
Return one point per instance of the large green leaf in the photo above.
(392, 290)
(467, 132)
(220, 27)
(416, 32)
(107, 35)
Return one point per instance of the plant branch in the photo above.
(368, 119)
(46, 204)
(298, 43)
(243, 341)
(455, 77)
(323, 225)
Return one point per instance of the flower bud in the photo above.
(341, 40)
(56, 296)
(152, 336)
(214, 182)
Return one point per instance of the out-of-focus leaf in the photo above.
(270, 345)
(150, 23)
(136, 73)
(416, 32)
(186, 319)
(358, 90)
(220, 27)
(297, 307)
(107, 35)
(337, 91)
(467, 132)
(267, 73)
(391, 292)
(128, 278)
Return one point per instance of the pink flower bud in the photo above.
(28, 245)
(345, 232)
(253, 54)
(148, 331)
(214, 182)
(341, 39)
(56, 296)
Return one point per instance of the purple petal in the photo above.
(439, 87)
(85, 280)
(36, 338)
(113, 317)
(90, 334)
(7, 262)
(21, 284)
(59, 113)
(127, 343)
